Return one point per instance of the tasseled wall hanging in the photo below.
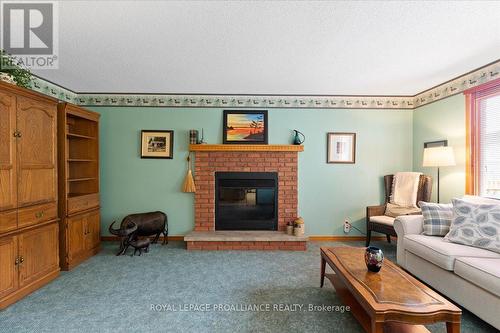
(189, 186)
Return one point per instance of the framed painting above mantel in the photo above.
(245, 127)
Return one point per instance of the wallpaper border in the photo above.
(452, 87)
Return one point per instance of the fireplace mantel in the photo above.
(230, 147)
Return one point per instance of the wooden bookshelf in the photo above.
(81, 179)
(80, 160)
(78, 143)
(80, 136)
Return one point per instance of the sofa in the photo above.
(468, 275)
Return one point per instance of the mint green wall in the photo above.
(327, 192)
(444, 119)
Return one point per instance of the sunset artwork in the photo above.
(246, 127)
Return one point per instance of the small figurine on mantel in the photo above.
(202, 139)
(298, 138)
(193, 137)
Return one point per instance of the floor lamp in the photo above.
(438, 157)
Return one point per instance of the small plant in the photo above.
(20, 75)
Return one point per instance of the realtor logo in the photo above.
(30, 33)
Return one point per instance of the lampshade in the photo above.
(438, 157)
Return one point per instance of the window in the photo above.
(483, 140)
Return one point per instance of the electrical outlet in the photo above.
(347, 226)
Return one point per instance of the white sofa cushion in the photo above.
(382, 219)
(442, 253)
(483, 272)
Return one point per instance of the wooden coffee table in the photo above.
(388, 301)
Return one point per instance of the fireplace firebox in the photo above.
(246, 201)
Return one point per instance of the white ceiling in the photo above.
(225, 47)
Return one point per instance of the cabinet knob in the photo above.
(16, 262)
(39, 214)
(17, 134)
(21, 260)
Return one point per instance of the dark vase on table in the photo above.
(374, 257)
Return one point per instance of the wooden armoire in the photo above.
(29, 247)
(78, 131)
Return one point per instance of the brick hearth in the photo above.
(246, 245)
(209, 162)
(244, 240)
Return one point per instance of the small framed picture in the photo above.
(341, 148)
(245, 127)
(157, 144)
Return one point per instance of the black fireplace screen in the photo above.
(246, 200)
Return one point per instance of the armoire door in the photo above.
(38, 253)
(8, 265)
(93, 232)
(36, 151)
(76, 236)
(8, 178)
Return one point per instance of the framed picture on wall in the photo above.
(432, 144)
(341, 148)
(245, 127)
(157, 144)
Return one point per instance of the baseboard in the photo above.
(313, 238)
(116, 239)
(343, 238)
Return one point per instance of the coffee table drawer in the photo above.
(82, 202)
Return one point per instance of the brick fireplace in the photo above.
(207, 163)
(279, 159)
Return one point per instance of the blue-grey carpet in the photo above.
(108, 294)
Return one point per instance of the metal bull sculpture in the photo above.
(140, 225)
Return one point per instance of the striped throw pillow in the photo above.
(437, 218)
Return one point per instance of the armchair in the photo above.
(376, 220)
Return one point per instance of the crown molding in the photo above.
(452, 87)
